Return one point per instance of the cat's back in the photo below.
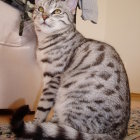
(97, 66)
(97, 80)
(92, 54)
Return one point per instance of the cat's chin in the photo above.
(46, 30)
(43, 24)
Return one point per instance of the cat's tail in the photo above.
(48, 131)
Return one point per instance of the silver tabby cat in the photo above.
(85, 80)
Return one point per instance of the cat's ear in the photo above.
(72, 4)
(36, 1)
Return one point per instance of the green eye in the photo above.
(41, 9)
(57, 11)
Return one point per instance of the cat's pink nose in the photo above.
(44, 16)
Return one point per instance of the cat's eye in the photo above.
(41, 9)
(57, 11)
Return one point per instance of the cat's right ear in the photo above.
(36, 1)
(72, 4)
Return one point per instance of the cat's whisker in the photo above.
(27, 26)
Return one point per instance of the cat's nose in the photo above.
(44, 16)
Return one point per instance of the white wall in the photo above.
(20, 76)
(119, 25)
(90, 30)
(123, 32)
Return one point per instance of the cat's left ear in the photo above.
(72, 4)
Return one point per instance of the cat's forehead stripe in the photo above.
(51, 1)
(48, 4)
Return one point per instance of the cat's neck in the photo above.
(63, 32)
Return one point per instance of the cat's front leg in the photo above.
(47, 99)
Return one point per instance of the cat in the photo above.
(85, 80)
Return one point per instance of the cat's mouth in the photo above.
(44, 23)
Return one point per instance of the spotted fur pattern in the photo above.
(85, 80)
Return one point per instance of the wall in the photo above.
(20, 76)
(119, 25)
(123, 32)
(90, 30)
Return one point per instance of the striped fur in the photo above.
(84, 80)
(47, 131)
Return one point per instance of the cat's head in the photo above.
(53, 15)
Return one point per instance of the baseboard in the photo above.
(135, 95)
(11, 111)
(6, 111)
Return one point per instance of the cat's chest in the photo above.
(52, 60)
